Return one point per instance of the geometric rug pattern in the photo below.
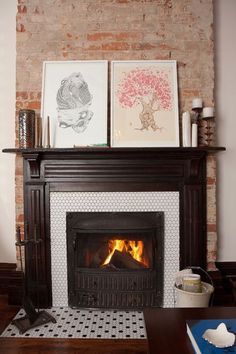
(77, 323)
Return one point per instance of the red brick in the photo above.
(99, 36)
(190, 93)
(22, 95)
(115, 46)
(34, 105)
(22, 9)
(20, 27)
(211, 180)
(211, 228)
(142, 46)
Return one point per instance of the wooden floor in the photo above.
(63, 346)
(6, 312)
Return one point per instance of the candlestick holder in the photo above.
(197, 114)
(195, 125)
(208, 127)
(208, 130)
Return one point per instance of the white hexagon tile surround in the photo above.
(62, 202)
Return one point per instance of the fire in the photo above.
(133, 248)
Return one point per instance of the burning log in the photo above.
(125, 260)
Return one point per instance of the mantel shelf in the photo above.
(110, 150)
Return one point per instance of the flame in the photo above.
(134, 248)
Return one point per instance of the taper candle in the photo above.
(194, 135)
(48, 132)
(186, 129)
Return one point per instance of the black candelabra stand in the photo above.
(34, 317)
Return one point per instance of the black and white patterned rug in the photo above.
(77, 323)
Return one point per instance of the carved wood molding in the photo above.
(34, 164)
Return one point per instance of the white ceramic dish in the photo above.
(219, 337)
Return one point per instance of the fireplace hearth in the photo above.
(115, 259)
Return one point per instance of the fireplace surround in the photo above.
(63, 203)
(112, 170)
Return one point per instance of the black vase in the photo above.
(26, 128)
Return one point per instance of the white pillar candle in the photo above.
(194, 135)
(186, 129)
(197, 103)
(208, 112)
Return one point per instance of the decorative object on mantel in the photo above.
(197, 108)
(202, 125)
(38, 132)
(74, 96)
(26, 128)
(47, 133)
(208, 116)
(186, 129)
(33, 317)
(144, 104)
(194, 134)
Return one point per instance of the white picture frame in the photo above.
(74, 97)
(144, 104)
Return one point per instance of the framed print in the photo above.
(144, 104)
(74, 97)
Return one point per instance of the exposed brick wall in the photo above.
(118, 30)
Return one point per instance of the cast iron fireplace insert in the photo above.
(115, 259)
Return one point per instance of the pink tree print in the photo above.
(148, 88)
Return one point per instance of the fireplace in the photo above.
(92, 203)
(104, 171)
(115, 259)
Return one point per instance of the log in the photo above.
(125, 260)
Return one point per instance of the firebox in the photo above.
(115, 259)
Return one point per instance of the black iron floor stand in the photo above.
(33, 317)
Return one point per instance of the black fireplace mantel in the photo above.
(112, 169)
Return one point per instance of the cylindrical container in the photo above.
(188, 299)
(208, 112)
(192, 283)
(196, 103)
(26, 128)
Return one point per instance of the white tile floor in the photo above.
(77, 323)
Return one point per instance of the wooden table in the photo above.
(166, 332)
(166, 328)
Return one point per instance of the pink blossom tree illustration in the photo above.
(148, 88)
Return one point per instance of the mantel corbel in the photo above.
(34, 164)
(194, 172)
